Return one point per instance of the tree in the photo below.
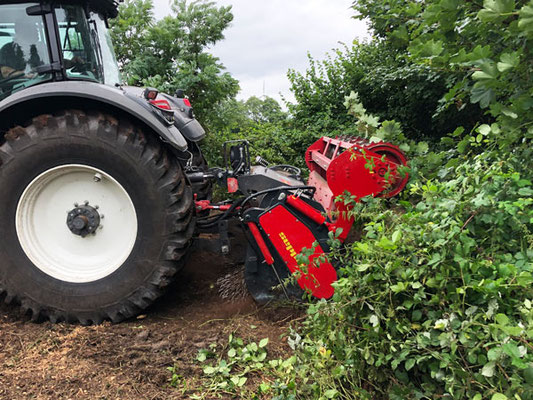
(130, 29)
(484, 49)
(266, 110)
(172, 54)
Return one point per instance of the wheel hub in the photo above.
(83, 220)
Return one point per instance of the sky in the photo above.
(269, 37)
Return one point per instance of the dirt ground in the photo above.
(129, 360)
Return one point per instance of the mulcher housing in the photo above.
(285, 217)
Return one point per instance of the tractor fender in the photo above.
(107, 95)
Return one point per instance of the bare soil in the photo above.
(129, 360)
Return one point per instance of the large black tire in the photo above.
(158, 190)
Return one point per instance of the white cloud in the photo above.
(267, 38)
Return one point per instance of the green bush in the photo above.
(275, 142)
(436, 298)
(391, 86)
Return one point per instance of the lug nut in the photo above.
(97, 177)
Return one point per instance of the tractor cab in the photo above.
(55, 41)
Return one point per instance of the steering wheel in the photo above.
(80, 68)
(11, 81)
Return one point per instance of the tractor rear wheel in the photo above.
(95, 217)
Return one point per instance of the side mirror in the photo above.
(38, 10)
(180, 94)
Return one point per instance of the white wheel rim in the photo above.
(41, 223)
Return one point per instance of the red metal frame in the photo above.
(306, 209)
(204, 205)
(261, 243)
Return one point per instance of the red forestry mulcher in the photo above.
(99, 181)
(284, 216)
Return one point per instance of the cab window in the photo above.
(79, 44)
(23, 48)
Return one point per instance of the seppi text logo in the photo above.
(288, 245)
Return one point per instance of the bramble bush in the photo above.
(436, 298)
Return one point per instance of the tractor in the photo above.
(104, 187)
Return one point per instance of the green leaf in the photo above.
(488, 71)
(409, 364)
(528, 375)
(370, 120)
(511, 350)
(263, 343)
(363, 267)
(501, 319)
(512, 330)
(405, 147)
(202, 356)
(524, 279)
(422, 148)
(494, 354)
(525, 21)
(484, 129)
(494, 8)
(480, 53)
(209, 370)
(488, 369)
(386, 244)
(509, 113)
(396, 236)
(331, 393)
(482, 95)
(400, 34)
(399, 287)
(498, 396)
(264, 387)
(431, 48)
(508, 61)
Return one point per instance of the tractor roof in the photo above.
(107, 7)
